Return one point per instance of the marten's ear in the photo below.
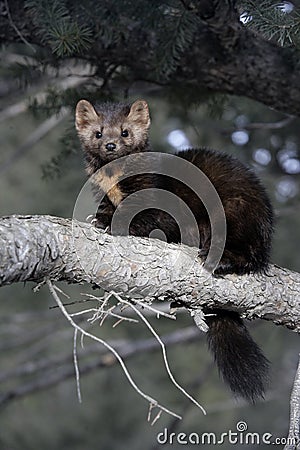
(84, 115)
(139, 113)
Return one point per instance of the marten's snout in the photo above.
(110, 146)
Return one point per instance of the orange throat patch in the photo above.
(109, 185)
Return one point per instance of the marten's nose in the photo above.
(110, 146)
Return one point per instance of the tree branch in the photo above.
(224, 57)
(39, 133)
(104, 360)
(230, 58)
(35, 247)
(293, 439)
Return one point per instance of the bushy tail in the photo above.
(239, 359)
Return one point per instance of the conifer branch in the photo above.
(202, 46)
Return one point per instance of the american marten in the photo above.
(111, 130)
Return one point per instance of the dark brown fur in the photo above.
(247, 208)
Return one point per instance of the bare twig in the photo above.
(61, 291)
(151, 400)
(194, 386)
(158, 312)
(106, 313)
(125, 348)
(164, 352)
(75, 359)
(16, 29)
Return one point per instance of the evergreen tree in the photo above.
(185, 48)
(190, 52)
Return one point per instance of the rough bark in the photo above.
(35, 247)
(225, 56)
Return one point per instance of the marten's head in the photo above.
(111, 130)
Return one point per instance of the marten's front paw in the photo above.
(98, 223)
(203, 252)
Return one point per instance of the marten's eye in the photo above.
(98, 134)
(124, 133)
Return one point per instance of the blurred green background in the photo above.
(36, 341)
